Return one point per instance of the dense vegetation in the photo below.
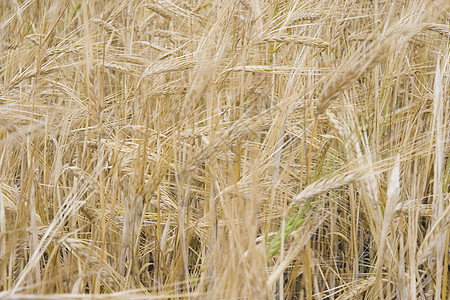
(224, 149)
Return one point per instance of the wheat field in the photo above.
(224, 149)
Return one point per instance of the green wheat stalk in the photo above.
(292, 223)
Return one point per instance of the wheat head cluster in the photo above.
(224, 149)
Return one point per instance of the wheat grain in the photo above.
(303, 40)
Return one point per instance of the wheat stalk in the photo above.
(302, 40)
